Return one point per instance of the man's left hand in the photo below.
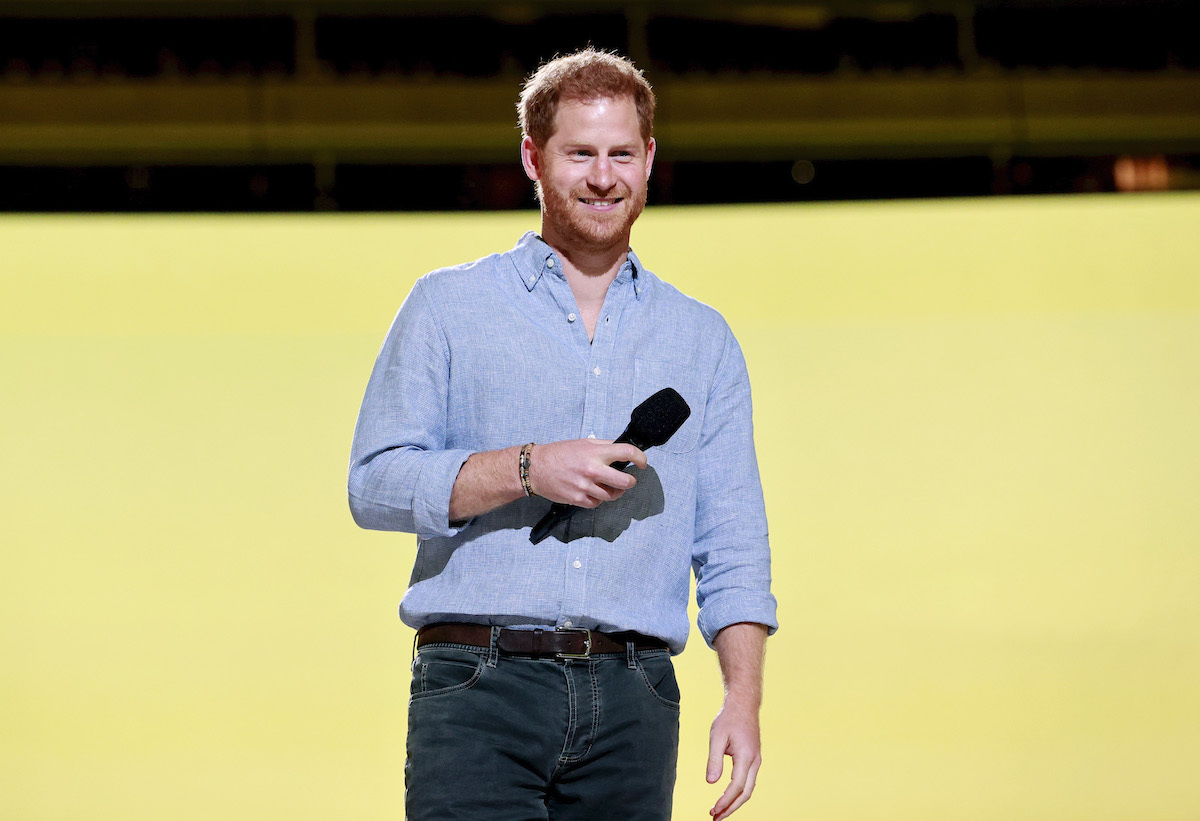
(735, 734)
(740, 648)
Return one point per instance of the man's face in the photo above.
(592, 174)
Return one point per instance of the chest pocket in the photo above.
(651, 376)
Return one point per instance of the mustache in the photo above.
(621, 193)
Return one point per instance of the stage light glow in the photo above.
(1141, 173)
(803, 171)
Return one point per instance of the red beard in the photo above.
(594, 231)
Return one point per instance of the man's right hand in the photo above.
(573, 472)
(578, 471)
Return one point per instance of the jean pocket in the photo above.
(441, 670)
(659, 674)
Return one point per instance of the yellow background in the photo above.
(978, 429)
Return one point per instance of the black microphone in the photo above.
(652, 423)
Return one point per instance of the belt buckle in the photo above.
(587, 642)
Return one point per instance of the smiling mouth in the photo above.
(596, 201)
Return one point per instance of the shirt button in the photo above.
(567, 623)
(550, 263)
(596, 371)
(571, 317)
(577, 564)
(591, 436)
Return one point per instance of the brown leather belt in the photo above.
(564, 642)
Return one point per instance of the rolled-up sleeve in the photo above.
(401, 472)
(731, 554)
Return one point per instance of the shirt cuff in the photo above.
(735, 607)
(431, 498)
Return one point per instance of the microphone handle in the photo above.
(560, 512)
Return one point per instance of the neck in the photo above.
(589, 272)
(588, 262)
(596, 270)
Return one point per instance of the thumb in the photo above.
(716, 757)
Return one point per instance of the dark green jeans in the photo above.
(510, 738)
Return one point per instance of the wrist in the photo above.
(524, 463)
(747, 700)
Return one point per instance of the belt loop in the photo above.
(493, 647)
(631, 655)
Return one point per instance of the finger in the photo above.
(716, 757)
(744, 796)
(618, 480)
(737, 784)
(622, 452)
(614, 492)
(628, 453)
(603, 493)
(731, 794)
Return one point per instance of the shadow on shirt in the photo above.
(611, 519)
(607, 522)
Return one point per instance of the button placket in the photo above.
(602, 349)
(575, 576)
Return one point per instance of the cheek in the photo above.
(635, 177)
(565, 182)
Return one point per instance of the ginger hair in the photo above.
(583, 76)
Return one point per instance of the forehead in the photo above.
(608, 119)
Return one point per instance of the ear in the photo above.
(531, 159)
(650, 156)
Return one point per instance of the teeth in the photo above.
(600, 202)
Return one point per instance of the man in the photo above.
(542, 684)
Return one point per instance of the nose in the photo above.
(601, 176)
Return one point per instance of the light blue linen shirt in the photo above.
(493, 354)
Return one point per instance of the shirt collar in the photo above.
(533, 258)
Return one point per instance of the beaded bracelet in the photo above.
(524, 468)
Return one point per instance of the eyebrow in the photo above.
(592, 147)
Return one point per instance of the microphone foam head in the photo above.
(656, 420)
